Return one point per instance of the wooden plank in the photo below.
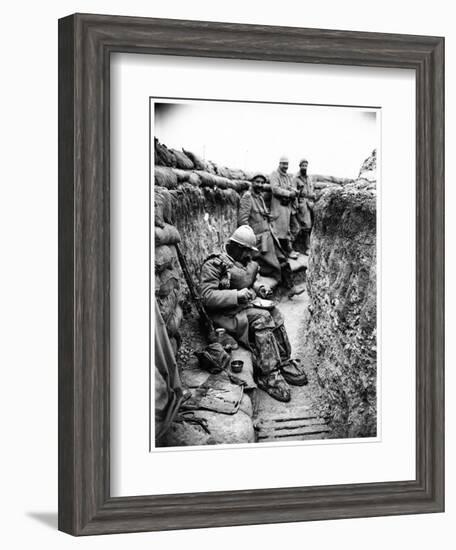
(268, 425)
(295, 432)
(294, 435)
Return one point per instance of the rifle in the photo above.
(207, 321)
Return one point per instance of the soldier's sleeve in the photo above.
(212, 296)
(276, 189)
(244, 209)
(311, 189)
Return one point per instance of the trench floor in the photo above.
(297, 420)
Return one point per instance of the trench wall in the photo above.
(342, 287)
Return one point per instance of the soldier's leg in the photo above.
(291, 369)
(294, 227)
(268, 360)
(280, 335)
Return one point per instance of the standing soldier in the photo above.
(229, 290)
(303, 218)
(283, 195)
(254, 212)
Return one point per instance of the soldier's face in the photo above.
(257, 185)
(283, 166)
(303, 167)
(246, 256)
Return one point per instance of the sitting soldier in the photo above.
(230, 291)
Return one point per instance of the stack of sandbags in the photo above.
(173, 169)
(322, 183)
(167, 276)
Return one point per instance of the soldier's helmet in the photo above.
(245, 237)
(257, 175)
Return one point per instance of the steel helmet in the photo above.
(244, 236)
(258, 175)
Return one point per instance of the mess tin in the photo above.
(236, 366)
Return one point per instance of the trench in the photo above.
(336, 342)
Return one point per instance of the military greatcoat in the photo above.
(253, 212)
(283, 193)
(304, 201)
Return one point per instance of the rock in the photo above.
(246, 405)
(223, 429)
(369, 168)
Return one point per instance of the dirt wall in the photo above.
(342, 286)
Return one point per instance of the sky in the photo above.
(253, 136)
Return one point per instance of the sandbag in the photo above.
(224, 172)
(236, 174)
(230, 196)
(163, 210)
(165, 258)
(194, 179)
(165, 177)
(207, 179)
(166, 283)
(166, 235)
(211, 167)
(174, 321)
(182, 160)
(223, 183)
(167, 304)
(182, 175)
(163, 156)
(230, 184)
(222, 428)
(192, 375)
(197, 161)
(242, 185)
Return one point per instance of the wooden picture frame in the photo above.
(85, 45)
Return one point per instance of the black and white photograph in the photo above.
(264, 290)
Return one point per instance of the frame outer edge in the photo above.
(438, 274)
(84, 502)
(66, 166)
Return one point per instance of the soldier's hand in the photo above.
(244, 295)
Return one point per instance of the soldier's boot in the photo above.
(288, 283)
(269, 377)
(291, 369)
(287, 276)
(294, 373)
(275, 385)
